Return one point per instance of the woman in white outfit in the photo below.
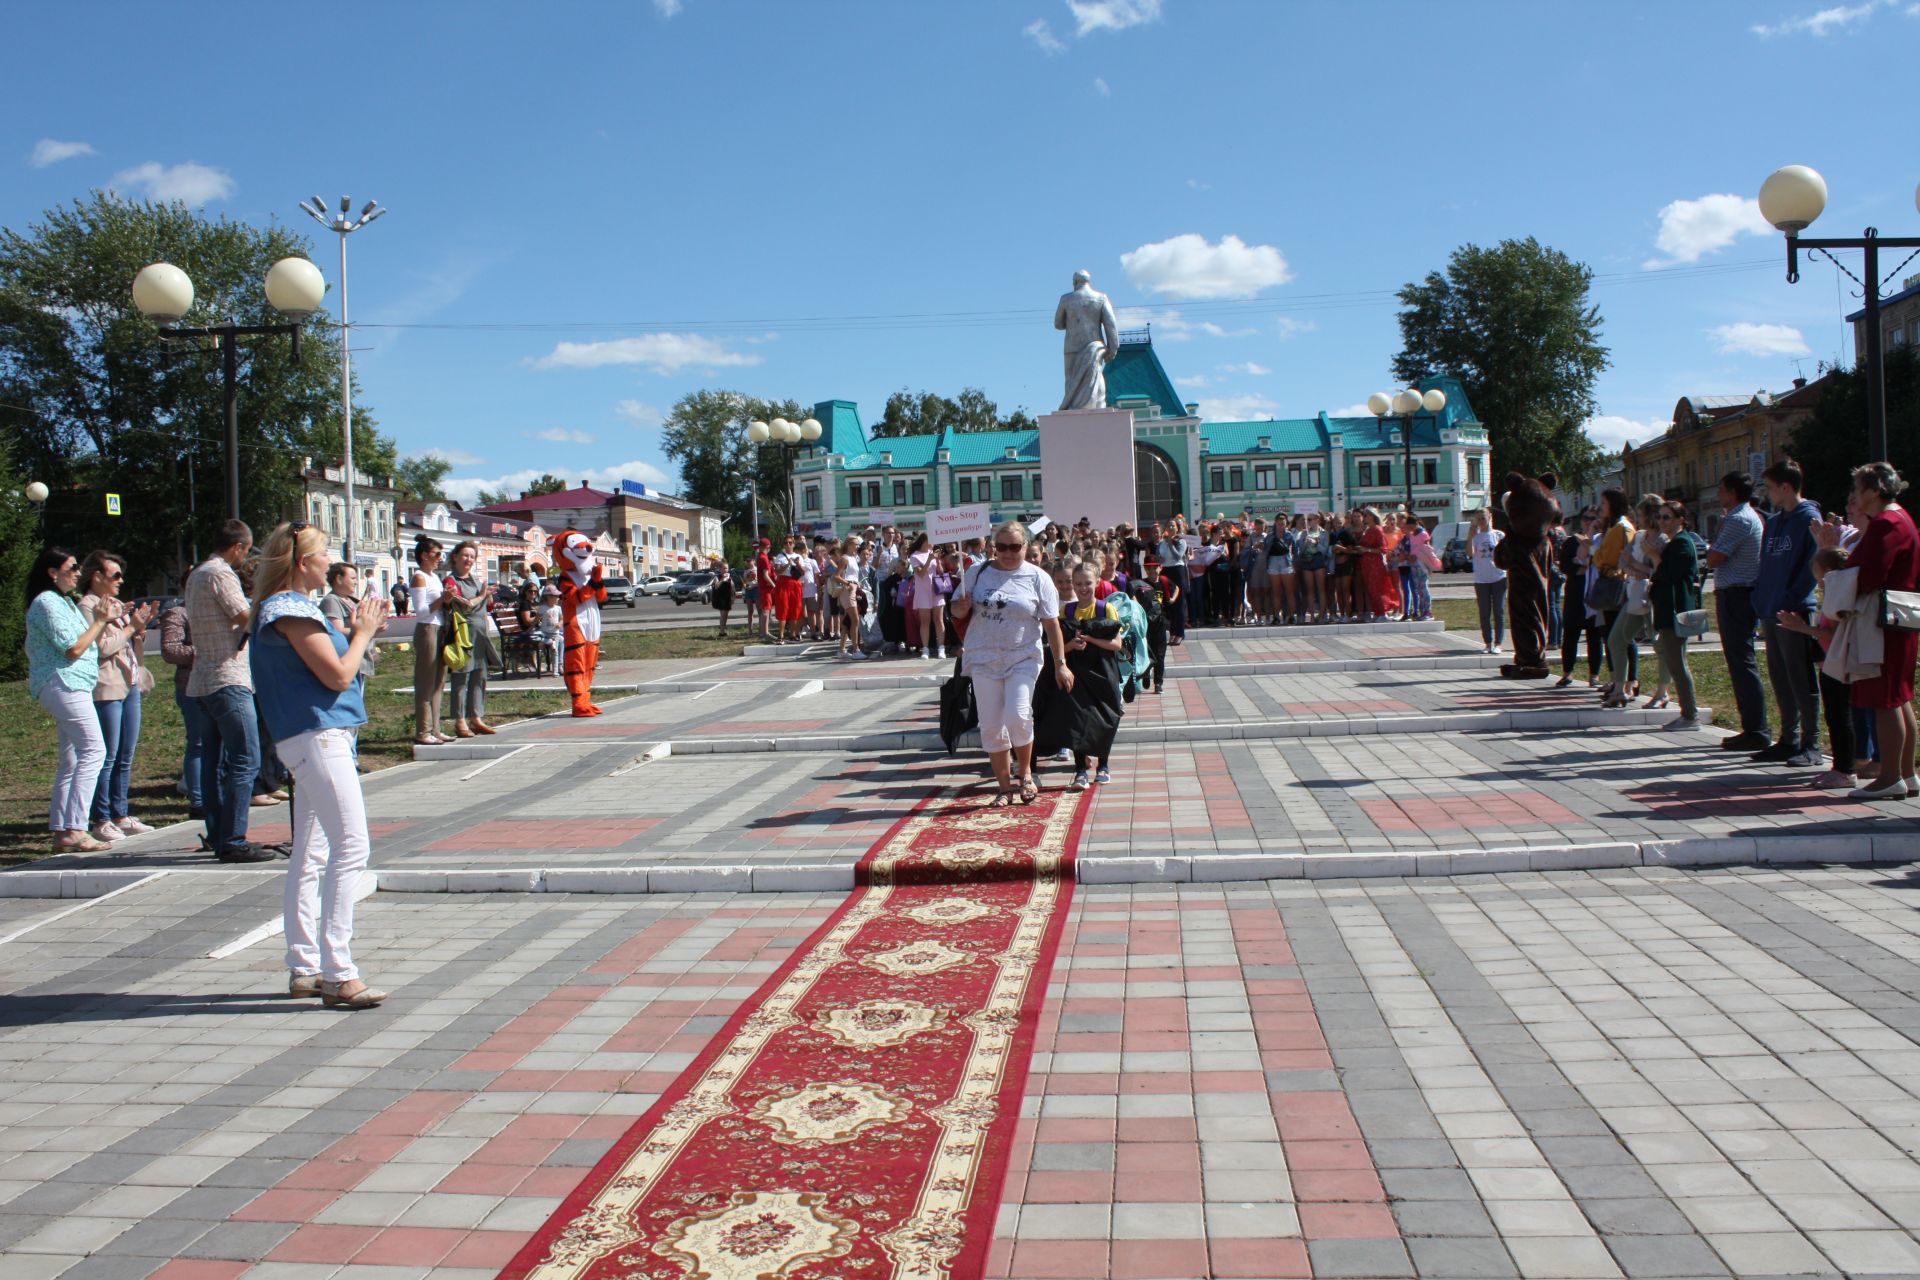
(306, 679)
(1012, 606)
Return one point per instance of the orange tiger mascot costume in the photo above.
(581, 596)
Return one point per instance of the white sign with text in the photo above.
(957, 524)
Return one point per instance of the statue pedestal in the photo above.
(1086, 465)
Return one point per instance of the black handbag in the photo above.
(1607, 594)
(958, 712)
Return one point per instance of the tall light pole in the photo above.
(1791, 198)
(789, 436)
(164, 294)
(1404, 406)
(345, 226)
(37, 493)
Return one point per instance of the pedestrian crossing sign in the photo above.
(113, 504)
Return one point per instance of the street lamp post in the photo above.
(789, 436)
(1791, 198)
(1403, 406)
(345, 226)
(164, 293)
(37, 493)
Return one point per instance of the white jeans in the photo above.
(82, 752)
(330, 850)
(1006, 708)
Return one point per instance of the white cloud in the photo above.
(561, 435)
(666, 353)
(639, 413)
(1188, 267)
(188, 183)
(1194, 184)
(1100, 86)
(1760, 340)
(1611, 431)
(47, 151)
(1690, 228)
(1821, 23)
(1195, 380)
(1238, 408)
(452, 457)
(1112, 15)
(1041, 33)
(1351, 411)
(1287, 327)
(466, 489)
(666, 8)
(1249, 368)
(1170, 326)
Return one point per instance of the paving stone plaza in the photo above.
(1378, 966)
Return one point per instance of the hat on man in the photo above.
(766, 542)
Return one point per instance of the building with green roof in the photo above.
(846, 481)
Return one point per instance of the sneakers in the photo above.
(1063, 754)
(1778, 753)
(106, 832)
(1746, 741)
(940, 654)
(1811, 758)
(245, 853)
(1103, 775)
(1913, 785)
(854, 655)
(1079, 781)
(1682, 724)
(1895, 790)
(1834, 780)
(132, 826)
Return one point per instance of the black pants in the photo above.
(1836, 705)
(1157, 652)
(1573, 613)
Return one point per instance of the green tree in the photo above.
(92, 402)
(911, 413)
(19, 544)
(1516, 325)
(418, 477)
(548, 483)
(706, 435)
(491, 497)
(1831, 443)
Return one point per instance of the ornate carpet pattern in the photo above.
(855, 1118)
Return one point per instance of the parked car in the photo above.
(658, 585)
(694, 586)
(1455, 556)
(619, 590)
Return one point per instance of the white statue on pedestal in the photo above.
(1092, 338)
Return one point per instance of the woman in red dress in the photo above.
(1888, 557)
(1377, 588)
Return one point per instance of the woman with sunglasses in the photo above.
(62, 668)
(116, 695)
(1013, 608)
(306, 675)
(1674, 589)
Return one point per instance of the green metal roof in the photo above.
(841, 431)
(1284, 435)
(1135, 373)
(978, 448)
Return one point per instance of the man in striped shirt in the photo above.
(1735, 561)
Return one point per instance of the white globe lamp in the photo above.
(1379, 405)
(1434, 401)
(1792, 197)
(810, 430)
(295, 287)
(1407, 402)
(163, 292)
(758, 431)
(36, 492)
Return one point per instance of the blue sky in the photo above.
(598, 208)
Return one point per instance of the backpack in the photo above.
(1134, 656)
(1146, 597)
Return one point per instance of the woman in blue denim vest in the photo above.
(306, 677)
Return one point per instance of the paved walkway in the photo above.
(1576, 1074)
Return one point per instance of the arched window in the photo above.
(1156, 486)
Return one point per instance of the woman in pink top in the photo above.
(925, 562)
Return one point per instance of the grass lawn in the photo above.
(30, 750)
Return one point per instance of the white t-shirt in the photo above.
(1003, 631)
(1482, 545)
(809, 576)
(1205, 554)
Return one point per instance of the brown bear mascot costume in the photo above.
(1531, 509)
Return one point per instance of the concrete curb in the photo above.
(1345, 727)
(1875, 848)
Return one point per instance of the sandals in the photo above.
(1029, 790)
(1002, 799)
(85, 844)
(365, 998)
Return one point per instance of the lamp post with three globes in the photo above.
(1791, 198)
(164, 293)
(1403, 406)
(789, 436)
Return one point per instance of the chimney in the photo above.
(1799, 383)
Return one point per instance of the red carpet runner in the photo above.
(855, 1117)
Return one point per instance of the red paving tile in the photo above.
(320, 1242)
(1059, 1259)
(410, 1246)
(1159, 1259)
(285, 1206)
(1277, 1259)
(1323, 1221)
